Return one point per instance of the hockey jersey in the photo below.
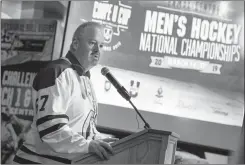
(65, 114)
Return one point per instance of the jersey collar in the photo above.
(76, 65)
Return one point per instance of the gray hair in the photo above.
(80, 29)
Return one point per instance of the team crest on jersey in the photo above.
(88, 124)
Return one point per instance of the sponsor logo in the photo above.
(159, 96)
(159, 93)
(184, 104)
(115, 17)
(219, 111)
(134, 88)
(107, 85)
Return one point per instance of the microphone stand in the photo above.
(147, 126)
(124, 93)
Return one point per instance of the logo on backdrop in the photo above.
(159, 93)
(159, 96)
(134, 88)
(107, 85)
(115, 17)
(219, 111)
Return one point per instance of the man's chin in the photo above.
(95, 62)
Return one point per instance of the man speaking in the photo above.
(65, 106)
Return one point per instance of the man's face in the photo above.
(90, 46)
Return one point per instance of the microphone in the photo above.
(120, 89)
(123, 92)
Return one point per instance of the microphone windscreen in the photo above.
(104, 71)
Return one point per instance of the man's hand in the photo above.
(15, 145)
(100, 148)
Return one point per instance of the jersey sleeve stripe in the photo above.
(51, 129)
(55, 158)
(51, 123)
(21, 160)
(50, 117)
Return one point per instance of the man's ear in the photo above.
(75, 44)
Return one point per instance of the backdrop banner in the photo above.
(27, 46)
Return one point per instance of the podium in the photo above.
(148, 146)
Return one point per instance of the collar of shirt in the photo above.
(76, 65)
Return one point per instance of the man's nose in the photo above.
(96, 48)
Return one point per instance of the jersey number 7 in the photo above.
(43, 98)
